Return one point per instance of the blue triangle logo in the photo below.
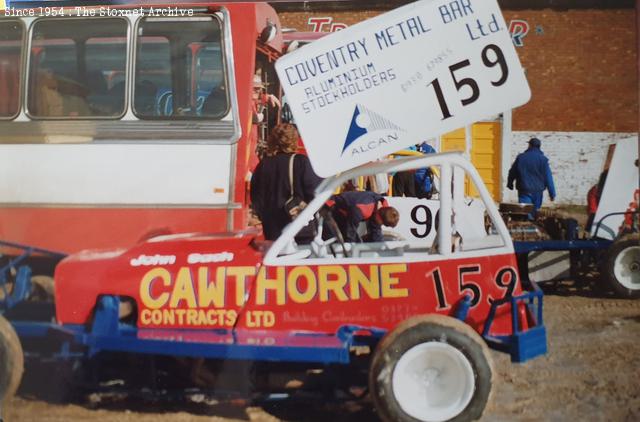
(372, 121)
(355, 131)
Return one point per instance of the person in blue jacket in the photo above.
(532, 175)
(424, 177)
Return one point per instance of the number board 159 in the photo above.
(400, 78)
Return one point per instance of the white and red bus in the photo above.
(129, 123)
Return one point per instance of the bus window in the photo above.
(69, 66)
(153, 77)
(10, 53)
(106, 64)
(212, 99)
(179, 69)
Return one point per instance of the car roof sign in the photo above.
(400, 78)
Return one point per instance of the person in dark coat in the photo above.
(404, 184)
(415, 183)
(350, 208)
(532, 175)
(270, 187)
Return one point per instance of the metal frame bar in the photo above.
(22, 285)
(611, 214)
(521, 345)
(561, 245)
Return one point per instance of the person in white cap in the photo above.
(260, 100)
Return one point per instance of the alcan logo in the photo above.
(365, 122)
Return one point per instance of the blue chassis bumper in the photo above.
(107, 334)
(521, 345)
(561, 245)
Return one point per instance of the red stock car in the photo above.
(421, 313)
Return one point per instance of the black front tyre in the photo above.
(622, 267)
(11, 360)
(431, 368)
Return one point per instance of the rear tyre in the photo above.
(431, 368)
(622, 267)
(11, 361)
(42, 288)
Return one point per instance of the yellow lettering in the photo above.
(251, 319)
(257, 319)
(146, 285)
(211, 317)
(156, 317)
(388, 282)
(202, 317)
(145, 317)
(211, 291)
(183, 289)
(310, 289)
(231, 317)
(192, 317)
(241, 274)
(263, 284)
(168, 317)
(357, 279)
(180, 314)
(336, 284)
(269, 319)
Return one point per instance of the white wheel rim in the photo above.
(626, 268)
(433, 381)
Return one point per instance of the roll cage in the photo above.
(453, 167)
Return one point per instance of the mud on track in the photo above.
(591, 373)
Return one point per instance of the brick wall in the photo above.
(576, 160)
(581, 67)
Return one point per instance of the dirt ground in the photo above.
(592, 372)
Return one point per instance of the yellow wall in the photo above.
(486, 141)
